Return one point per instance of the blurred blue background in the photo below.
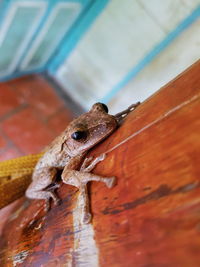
(113, 51)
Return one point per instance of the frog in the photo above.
(67, 153)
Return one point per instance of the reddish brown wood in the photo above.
(31, 116)
(151, 217)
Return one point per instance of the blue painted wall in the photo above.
(147, 59)
(27, 45)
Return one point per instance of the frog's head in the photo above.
(89, 129)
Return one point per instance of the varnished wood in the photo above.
(150, 218)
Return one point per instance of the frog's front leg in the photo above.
(38, 189)
(89, 163)
(80, 180)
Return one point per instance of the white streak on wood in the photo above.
(167, 114)
(85, 250)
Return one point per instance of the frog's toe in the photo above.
(47, 205)
(110, 182)
(102, 157)
(58, 202)
(88, 160)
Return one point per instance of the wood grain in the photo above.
(150, 218)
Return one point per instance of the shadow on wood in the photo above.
(150, 218)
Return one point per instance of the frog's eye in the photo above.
(78, 135)
(104, 107)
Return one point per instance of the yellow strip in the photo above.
(19, 166)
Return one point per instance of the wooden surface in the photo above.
(150, 218)
(32, 114)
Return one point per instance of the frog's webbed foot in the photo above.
(47, 205)
(53, 186)
(83, 200)
(43, 186)
(110, 182)
(46, 195)
(89, 163)
(80, 180)
(121, 115)
(57, 201)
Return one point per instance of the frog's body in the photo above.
(67, 152)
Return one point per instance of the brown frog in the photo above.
(67, 153)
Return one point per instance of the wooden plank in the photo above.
(150, 218)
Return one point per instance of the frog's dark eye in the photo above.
(104, 107)
(78, 135)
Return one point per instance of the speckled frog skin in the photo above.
(67, 153)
